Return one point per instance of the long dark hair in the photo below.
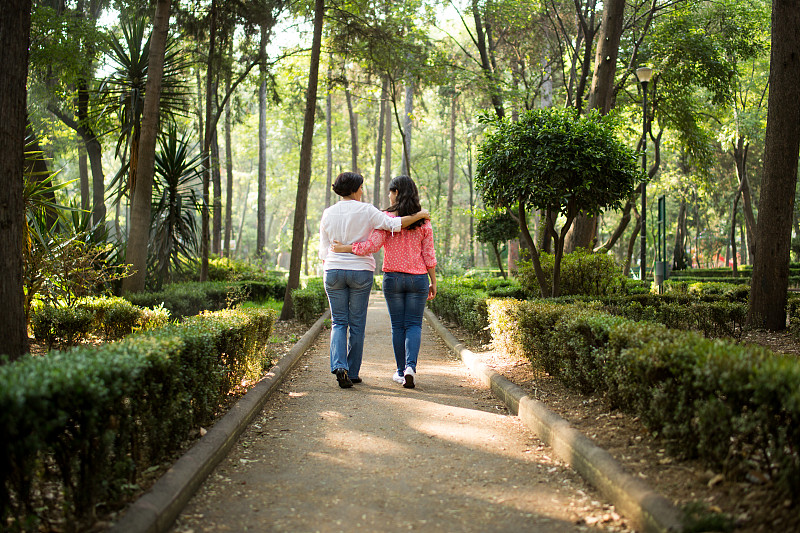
(407, 199)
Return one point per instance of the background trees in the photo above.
(707, 108)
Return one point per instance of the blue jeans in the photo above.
(348, 295)
(406, 295)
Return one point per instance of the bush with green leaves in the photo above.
(734, 406)
(89, 420)
(495, 227)
(458, 302)
(227, 269)
(310, 301)
(63, 325)
(582, 272)
(191, 297)
(556, 161)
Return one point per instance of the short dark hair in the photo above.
(347, 183)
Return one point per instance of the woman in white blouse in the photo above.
(348, 277)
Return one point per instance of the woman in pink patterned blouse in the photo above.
(408, 265)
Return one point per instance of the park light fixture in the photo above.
(644, 74)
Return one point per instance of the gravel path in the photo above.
(445, 456)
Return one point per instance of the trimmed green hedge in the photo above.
(460, 302)
(736, 407)
(91, 418)
(190, 298)
(108, 317)
(310, 301)
(718, 313)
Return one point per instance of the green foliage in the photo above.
(698, 518)
(92, 418)
(66, 325)
(177, 178)
(310, 301)
(462, 304)
(554, 161)
(123, 91)
(551, 159)
(582, 272)
(495, 227)
(110, 318)
(225, 269)
(731, 405)
(190, 298)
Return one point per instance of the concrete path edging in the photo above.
(647, 510)
(157, 509)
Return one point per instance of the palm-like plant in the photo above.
(177, 180)
(123, 92)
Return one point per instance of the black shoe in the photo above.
(341, 377)
(355, 380)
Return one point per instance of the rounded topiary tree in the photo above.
(555, 161)
(495, 227)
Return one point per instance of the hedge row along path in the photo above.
(445, 456)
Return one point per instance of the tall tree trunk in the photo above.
(142, 194)
(328, 139)
(387, 150)
(304, 174)
(626, 270)
(83, 172)
(601, 97)
(15, 24)
(733, 236)
(776, 203)
(406, 132)
(209, 127)
(740, 152)
(486, 65)
(471, 202)
(201, 130)
(353, 126)
(228, 173)
(262, 150)
(376, 194)
(216, 180)
(94, 151)
(679, 249)
(451, 178)
(241, 220)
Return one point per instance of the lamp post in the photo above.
(644, 74)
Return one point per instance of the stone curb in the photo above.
(157, 509)
(647, 510)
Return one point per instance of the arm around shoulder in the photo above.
(410, 219)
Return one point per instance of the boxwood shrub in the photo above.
(91, 418)
(736, 407)
(190, 298)
(310, 301)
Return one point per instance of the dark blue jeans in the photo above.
(406, 295)
(348, 295)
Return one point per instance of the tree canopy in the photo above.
(555, 161)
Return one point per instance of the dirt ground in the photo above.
(445, 456)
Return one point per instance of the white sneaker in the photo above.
(408, 378)
(397, 378)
